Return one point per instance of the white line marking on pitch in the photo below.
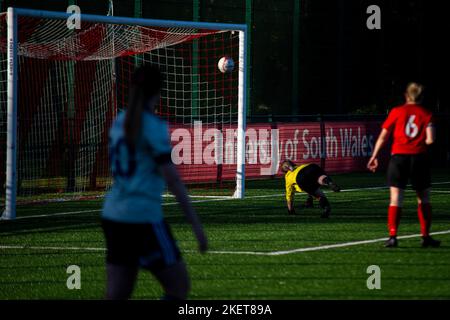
(324, 247)
(258, 253)
(51, 248)
(168, 195)
(221, 198)
(57, 214)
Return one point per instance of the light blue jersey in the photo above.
(136, 194)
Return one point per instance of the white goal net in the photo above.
(69, 85)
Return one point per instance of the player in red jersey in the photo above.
(413, 131)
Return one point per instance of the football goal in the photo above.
(61, 87)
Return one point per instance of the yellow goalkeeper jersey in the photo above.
(291, 181)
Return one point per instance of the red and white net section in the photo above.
(72, 83)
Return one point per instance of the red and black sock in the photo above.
(394, 214)
(424, 213)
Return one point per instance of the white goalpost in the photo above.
(60, 89)
(11, 153)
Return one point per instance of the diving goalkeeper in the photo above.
(307, 178)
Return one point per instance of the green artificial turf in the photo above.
(37, 270)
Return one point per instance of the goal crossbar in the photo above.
(126, 20)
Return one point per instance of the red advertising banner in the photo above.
(206, 153)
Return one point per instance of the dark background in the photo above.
(343, 67)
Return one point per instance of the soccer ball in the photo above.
(225, 64)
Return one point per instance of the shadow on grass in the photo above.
(356, 210)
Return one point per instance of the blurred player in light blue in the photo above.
(136, 233)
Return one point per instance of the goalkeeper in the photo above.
(307, 178)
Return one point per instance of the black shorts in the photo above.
(412, 167)
(150, 246)
(307, 178)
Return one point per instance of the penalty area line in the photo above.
(255, 253)
(214, 199)
(324, 247)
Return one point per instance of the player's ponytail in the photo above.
(414, 92)
(145, 84)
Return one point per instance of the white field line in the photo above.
(98, 210)
(57, 214)
(213, 199)
(168, 195)
(51, 248)
(324, 247)
(258, 253)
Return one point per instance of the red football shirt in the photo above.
(408, 124)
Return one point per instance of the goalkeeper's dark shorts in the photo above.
(414, 168)
(307, 178)
(150, 246)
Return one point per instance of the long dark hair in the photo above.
(145, 83)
